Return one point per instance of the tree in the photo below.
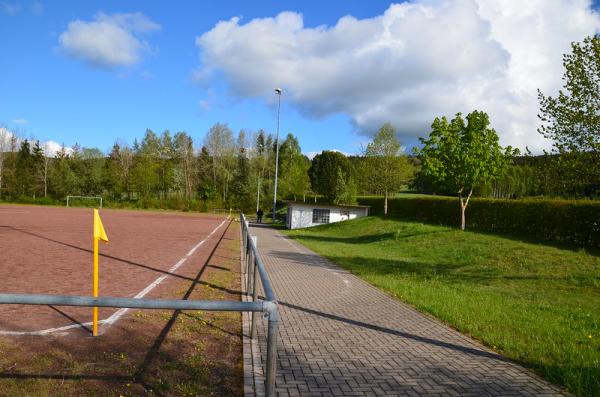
(45, 166)
(331, 175)
(293, 169)
(118, 170)
(184, 151)
(165, 157)
(459, 156)
(261, 163)
(5, 138)
(206, 186)
(39, 158)
(572, 120)
(220, 145)
(144, 174)
(386, 171)
(62, 177)
(25, 169)
(91, 171)
(240, 187)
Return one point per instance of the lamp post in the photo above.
(278, 93)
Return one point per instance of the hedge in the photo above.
(567, 221)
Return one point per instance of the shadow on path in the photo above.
(417, 338)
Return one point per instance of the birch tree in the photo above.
(386, 170)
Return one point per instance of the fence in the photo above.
(253, 267)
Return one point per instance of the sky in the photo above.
(94, 73)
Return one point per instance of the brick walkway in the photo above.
(339, 336)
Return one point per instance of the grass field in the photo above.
(534, 303)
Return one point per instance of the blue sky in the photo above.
(341, 78)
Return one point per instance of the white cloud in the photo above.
(51, 148)
(312, 155)
(109, 40)
(20, 121)
(8, 8)
(417, 61)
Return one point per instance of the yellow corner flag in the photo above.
(99, 234)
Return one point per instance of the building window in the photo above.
(320, 216)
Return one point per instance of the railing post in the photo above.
(251, 262)
(250, 259)
(246, 255)
(254, 296)
(273, 314)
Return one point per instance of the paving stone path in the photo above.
(340, 336)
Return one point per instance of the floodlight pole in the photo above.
(278, 93)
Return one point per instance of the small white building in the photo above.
(302, 214)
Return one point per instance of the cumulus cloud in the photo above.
(108, 40)
(51, 148)
(20, 121)
(418, 60)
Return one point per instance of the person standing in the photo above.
(259, 215)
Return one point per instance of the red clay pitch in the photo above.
(47, 250)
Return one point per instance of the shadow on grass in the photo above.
(594, 251)
(515, 236)
(455, 273)
(366, 238)
(376, 266)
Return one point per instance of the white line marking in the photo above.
(119, 313)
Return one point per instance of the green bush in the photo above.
(568, 221)
(36, 201)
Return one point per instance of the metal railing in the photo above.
(254, 267)
(251, 261)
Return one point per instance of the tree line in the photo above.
(227, 170)
(460, 157)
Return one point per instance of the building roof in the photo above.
(291, 203)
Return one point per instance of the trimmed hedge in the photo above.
(567, 221)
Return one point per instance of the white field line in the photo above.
(119, 313)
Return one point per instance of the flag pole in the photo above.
(95, 309)
(99, 234)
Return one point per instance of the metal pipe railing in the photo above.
(255, 267)
(88, 301)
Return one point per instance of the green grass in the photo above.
(535, 303)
